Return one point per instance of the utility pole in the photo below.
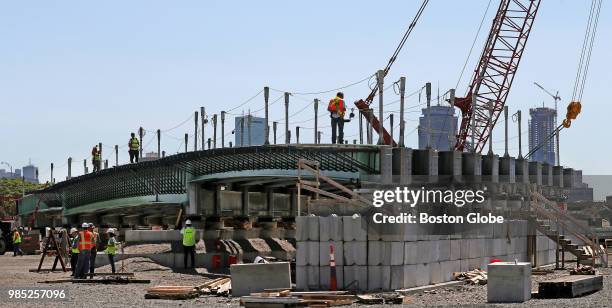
(428, 93)
(222, 129)
(84, 166)
(274, 124)
(100, 147)
(402, 89)
(380, 76)
(140, 134)
(195, 133)
(249, 128)
(203, 115)
(186, 141)
(116, 155)
(391, 125)
(287, 137)
(267, 126)
(319, 137)
(158, 143)
(316, 119)
(51, 180)
(69, 168)
(517, 118)
(506, 154)
(297, 134)
(215, 131)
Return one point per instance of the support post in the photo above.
(222, 129)
(402, 89)
(203, 120)
(106, 164)
(249, 126)
(428, 94)
(267, 126)
(51, 180)
(195, 133)
(391, 126)
(116, 155)
(520, 137)
(69, 168)
(84, 166)
(186, 141)
(287, 118)
(380, 76)
(316, 119)
(297, 134)
(319, 137)
(100, 148)
(506, 154)
(274, 124)
(140, 134)
(214, 131)
(158, 143)
(360, 127)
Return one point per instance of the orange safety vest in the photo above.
(85, 240)
(336, 104)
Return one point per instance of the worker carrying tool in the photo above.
(96, 158)
(111, 248)
(189, 241)
(134, 146)
(17, 236)
(337, 109)
(84, 243)
(74, 249)
(94, 248)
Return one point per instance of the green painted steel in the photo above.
(171, 175)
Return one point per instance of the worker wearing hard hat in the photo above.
(111, 248)
(189, 241)
(84, 243)
(74, 249)
(17, 238)
(134, 145)
(96, 158)
(94, 249)
(336, 109)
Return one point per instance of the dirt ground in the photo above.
(14, 274)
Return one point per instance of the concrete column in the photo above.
(217, 205)
(535, 172)
(402, 88)
(193, 194)
(203, 124)
(569, 178)
(245, 201)
(287, 140)
(424, 165)
(471, 167)
(450, 163)
(267, 125)
(386, 164)
(402, 164)
(222, 129)
(522, 170)
(270, 201)
(490, 168)
(507, 169)
(69, 168)
(195, 133)
(547, 174)
(316, 120)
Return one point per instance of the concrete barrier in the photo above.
(249, 278)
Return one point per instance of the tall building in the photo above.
(258, 131)
(30, 173)
(541, 125)
(443, 127)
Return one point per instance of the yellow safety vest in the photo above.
(189, 237)
(111, 247)
(74, 244)
(16, 238)
(134, 144)
(97, 156)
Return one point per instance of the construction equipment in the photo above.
(492, 79)
(364, 105)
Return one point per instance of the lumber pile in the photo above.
(570, 286)
(286, 298)
(476, 276)
(218, 287)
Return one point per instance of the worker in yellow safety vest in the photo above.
(134, 145)
(16, 243)
(94, 249)
(111, 248)
(189, 241)
(96, 158)
(74, 249)
(336, 109)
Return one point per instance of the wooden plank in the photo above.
(111, 274)
(570, 286)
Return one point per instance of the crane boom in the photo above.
(492, 79)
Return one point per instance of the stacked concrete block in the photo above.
(325, 277)
(379, 277)
(355, 277)
(307, 254)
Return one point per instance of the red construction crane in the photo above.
(496, 69)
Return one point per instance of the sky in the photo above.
(75, 73)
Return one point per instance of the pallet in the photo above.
(570, 286)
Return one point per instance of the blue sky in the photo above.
(75, 73)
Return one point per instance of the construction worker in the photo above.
(111, 248)
(84, 243)
(189, 241)
(134, 146)
(17, 242)
(96, 158)
(74, 249)
(94, 248)
(336, 109)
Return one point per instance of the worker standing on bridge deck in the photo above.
(189, 242)
(337, 108)
(134, 146)
(94, 248)
(74, 249)
(84, 243)
(96, 158)
(111, 248)
(17, 242)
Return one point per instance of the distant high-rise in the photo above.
(541, 125)
(443, 128)
(30, 173)
(258, 131)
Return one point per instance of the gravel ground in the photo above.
(147, 248)
(14, 274)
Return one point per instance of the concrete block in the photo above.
(354, 228)
(379, 253)
(397, 277)
(509, 282)
(312, 253)
(447, 268)
(411, 232)
(489, 246)
(325, 277)
(410, 273)
(355, 277)
(396, 253)
(301, 277)
(301, 254)
(151, 236)
(444, 247)
(330, 228)
(355, 253)
(464, 265)
(411, 252)
(474, 263)
(425, 253)
(379, 278)
(248, 278)
(423, 274)
(324, 253)
(475, 248)
(436, 274)
(455, 249)
(465, 248)
(312, 281)
(307, 228)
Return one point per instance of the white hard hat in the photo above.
(85, 225)
(187, 222)
(110, 230)
(73, 230)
